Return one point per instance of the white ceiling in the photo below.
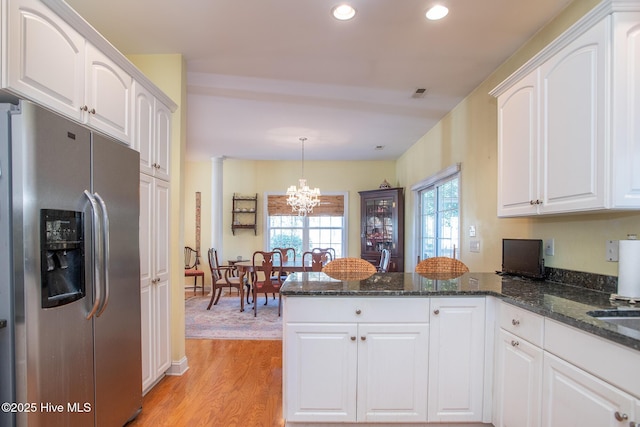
(263, 73)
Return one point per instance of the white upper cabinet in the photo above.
(107, 96)
(568, 121)
(572, 124)
(54, 58)
(45, 58)
(152, 133)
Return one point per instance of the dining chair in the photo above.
(330, 251)
(441, 268)
(266, 277)
(221, 276)
(191, 262)
(314, 261)
(288, 254)
(385, 259)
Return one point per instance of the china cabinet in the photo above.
(244, 213)
(382, 225)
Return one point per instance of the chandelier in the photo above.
(303, 199)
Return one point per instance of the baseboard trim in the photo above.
(178, 367)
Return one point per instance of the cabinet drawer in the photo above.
(360, 310)
(522, 323)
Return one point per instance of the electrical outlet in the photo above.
(612, 250)
(549, 247)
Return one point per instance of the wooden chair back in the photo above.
(331, 253)
(314, 261)
(288, 254)
(267, 276)
(191, 258)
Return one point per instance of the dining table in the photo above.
(245, 268)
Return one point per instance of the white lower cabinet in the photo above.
(518, 382)
(370, 366)
(573, 397)
(518, 367)
(456, 359)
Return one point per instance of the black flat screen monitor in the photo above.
(523, 257)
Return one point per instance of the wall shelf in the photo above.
(244, 213)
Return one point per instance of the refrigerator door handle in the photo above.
(105, 254)
(96, 266)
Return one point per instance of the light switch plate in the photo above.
(474, 246)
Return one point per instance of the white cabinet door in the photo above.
(518, 148)
(456, 360)
(154, 278)
(152, 133)
(45, 58)
(573, 397)
(162, 143)
(107, 95)
(320, 372)
(146, 279)
(518, 383)
(143, 127)
(626, 110)
(572, 122)
(392, 372)
(161, 266)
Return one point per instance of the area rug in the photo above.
(225, 321)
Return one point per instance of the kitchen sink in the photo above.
(629, 318)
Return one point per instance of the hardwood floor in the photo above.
(229, 383)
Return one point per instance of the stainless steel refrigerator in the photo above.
(70, 350)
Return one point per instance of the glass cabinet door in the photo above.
(379, 224)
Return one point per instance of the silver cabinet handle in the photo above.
(105, 253)
(515, 322)
(621, 417)
(436, 311)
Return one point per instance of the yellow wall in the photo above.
(250, 177)
(168, 72)
(468, 134)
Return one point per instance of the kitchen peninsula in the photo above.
(478, 349)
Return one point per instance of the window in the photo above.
(438, 215)
(325, 227)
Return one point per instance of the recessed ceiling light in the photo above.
(343, 12)
(437, 12)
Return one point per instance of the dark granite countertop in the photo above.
(564, 303)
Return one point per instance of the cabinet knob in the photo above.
(621, 417)
(353, 338)
(363, 338)
(92, 111)
(515, 322)
(84, 108)
(358, 311)
(514, 343)
(436, 311)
